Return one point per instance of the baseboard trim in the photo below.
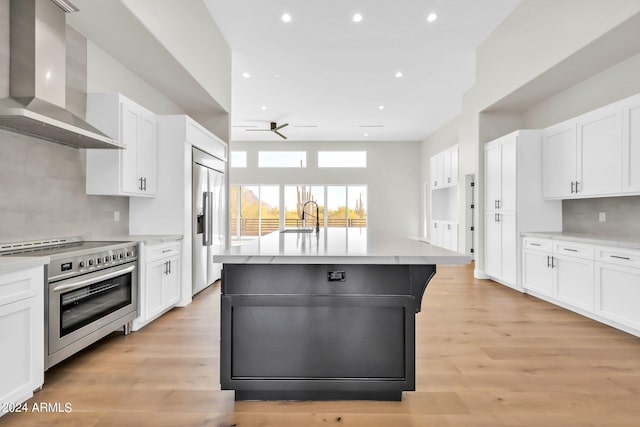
(480, 274)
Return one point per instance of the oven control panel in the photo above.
(74, 265)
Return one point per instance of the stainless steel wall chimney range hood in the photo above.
(36, 105)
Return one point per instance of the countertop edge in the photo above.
(588, 239)
(12, 264)
(147, 239)
(320, 259)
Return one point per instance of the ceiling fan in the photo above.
(272, 128)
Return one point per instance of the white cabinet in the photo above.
(600, 282)
(444, 234)
(631, 145)
(582, 157)
(444, 168)
(617, 284)
(160, 280)
(513, 203)
(21, 335)
(131, 171)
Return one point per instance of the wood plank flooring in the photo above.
(486, 356)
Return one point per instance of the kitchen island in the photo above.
(323, 316)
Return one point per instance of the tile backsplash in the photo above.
(622, 216)
(42, 193)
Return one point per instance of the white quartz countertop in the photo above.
(338, 246)
(147, 239)
(593, 239)
(14, 263)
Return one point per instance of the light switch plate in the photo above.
(116, 215)
(602, 217)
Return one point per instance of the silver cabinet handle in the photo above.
(572, 184)
(448, 226)
(93, 279)
(435, 183)
(553, 264)
(145, 183)
(435, 225)
(570, 250)
(140, 179)
(548, 261)
(535, 244)
(620, 257)
(577, 190)
(169, 266)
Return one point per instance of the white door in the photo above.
(492, 170)
(130, 135)
(493, 245)
(509, 248)
(631, 145)
(454, 165)
(536, 272)
(574, 281)
(147, 154)
(617, 293)
(600, 152)
(153, 288)
(508, 174)
(559, 164)
(171, 283)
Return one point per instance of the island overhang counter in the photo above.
(323, 316)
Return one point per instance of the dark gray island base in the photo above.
(320, 331)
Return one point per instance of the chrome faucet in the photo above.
(317, 215)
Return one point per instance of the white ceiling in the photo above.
(334, 74)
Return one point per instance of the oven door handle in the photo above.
(93, 279)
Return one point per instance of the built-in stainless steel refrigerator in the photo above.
(208, 218)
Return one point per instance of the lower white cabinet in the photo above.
(444, 234)
(160, 281)
(21, 336)
(600, 282)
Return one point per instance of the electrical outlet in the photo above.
(116, 215)
(602, 217)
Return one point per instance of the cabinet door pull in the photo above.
(166, 250)
(449, 180)
(169, 262)
(572, 184)
(553, 264)
(497, 217)
(145, 183)
(535, 244)
(620, 257)
(448, 226)
(140, 179)
(577, 183)
(570, 250)
(165, 268)
(435, 183)
(548, 261)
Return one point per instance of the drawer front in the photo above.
(578, 250)
(21, 284)
(537, 244)
(163, 250)
(618, 256)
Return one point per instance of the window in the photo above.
(282, 159)
(342, 159)
(347, 206)
(259, 210)
(238, 159)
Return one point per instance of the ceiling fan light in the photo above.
(286, 17)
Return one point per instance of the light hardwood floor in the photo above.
(486, 356)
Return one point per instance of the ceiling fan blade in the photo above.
(281, 126)
(279, 134)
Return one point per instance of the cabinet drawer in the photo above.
(536, 244)
(163, 250)
(619, 256)
(21, 284)
(578, 250)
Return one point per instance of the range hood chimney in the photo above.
(36, 105)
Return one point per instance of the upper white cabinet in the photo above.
(444, 168)
(131, 171)
(631, 145)
(596, 154)
(513, 202)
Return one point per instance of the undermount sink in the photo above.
(298, 230)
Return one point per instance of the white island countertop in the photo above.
(339, 246)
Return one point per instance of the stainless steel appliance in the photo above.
(208, 220)
(91, 291)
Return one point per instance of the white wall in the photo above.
(392, 177)
(105, 74)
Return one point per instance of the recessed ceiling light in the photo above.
(432, 17)
(357, 17)
(366, 134)
(277, 76)
(246, 75)
(399, 74)
(380, 107)
(286, 17)
(264, 107)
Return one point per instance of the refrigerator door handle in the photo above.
(210, 218)
(206, 215)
